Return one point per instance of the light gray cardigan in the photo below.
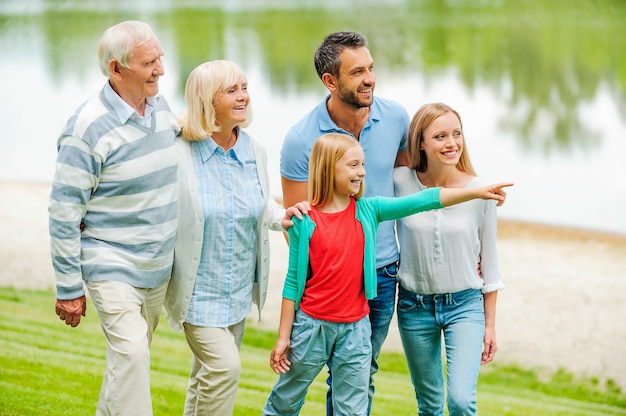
(188, 246)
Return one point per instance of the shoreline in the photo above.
(565, 287)
(506, 228)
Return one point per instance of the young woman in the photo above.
(221, 253)
(441, 292)
(332, 274)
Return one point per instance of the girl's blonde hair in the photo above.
(422, 119)
(326, 152)
(203, 84)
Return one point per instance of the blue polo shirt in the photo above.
(382, 137)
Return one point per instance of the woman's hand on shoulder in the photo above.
(298, 210)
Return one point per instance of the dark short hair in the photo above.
(327, 58)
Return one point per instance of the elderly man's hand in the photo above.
(70, 311)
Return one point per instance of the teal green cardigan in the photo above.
(369, 212)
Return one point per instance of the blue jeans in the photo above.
(460, 317)
(314, 343)
(381, 312)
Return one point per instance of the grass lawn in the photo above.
(47, 368)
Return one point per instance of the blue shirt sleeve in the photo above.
(294, 157)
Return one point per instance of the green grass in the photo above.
(47, 368)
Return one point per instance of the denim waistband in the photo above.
(395, 263)
(445, 298)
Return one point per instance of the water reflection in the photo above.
(538, 70)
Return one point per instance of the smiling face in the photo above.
(231, 103)
(443, 141)
(349, 172)
(356, 82)
(140, 79)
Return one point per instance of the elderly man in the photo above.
(116, 179)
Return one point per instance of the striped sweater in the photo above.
(120, 181)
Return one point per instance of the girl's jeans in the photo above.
(314, 343)
(381, 312)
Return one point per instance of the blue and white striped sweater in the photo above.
(120, 181)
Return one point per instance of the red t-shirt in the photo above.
(334, 290)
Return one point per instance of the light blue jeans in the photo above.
(460, 318)
(381, 312)
(314, 343)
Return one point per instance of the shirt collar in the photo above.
(208, 147)
(122, 109)
(327, 124)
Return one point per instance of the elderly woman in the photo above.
(222, 249)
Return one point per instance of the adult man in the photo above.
(116, 178)
(346, 68)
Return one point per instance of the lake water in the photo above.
(541, 86)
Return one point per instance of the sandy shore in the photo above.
(564, 305)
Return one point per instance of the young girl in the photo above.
(332, 273)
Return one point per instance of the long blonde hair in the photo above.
(203, 84)
(326, 152)
(423, 118)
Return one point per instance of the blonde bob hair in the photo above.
(423, 119)
(326, 152)
(204, 83)
(118, 41)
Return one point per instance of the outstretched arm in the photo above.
(452, 196)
